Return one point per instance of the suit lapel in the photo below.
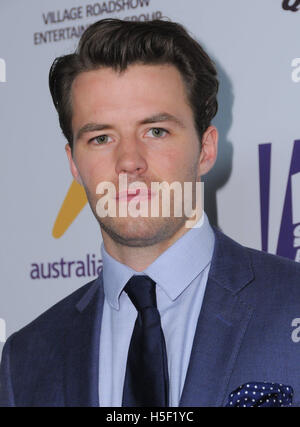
(221, 326)
(81, 362)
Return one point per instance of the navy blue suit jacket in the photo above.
(244, 333)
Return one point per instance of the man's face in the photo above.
(137, 123)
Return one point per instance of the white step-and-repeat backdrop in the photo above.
(50, 242)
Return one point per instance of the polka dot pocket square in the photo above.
(261, 394)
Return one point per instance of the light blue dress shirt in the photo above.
(181, 275)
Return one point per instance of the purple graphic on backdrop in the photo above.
(264, 179)
(288, 244)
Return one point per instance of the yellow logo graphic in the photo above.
(74, 202)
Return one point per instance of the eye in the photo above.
(100, 139)
(157, 132)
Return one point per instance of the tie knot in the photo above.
(141, 291)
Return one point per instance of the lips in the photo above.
(138, 194)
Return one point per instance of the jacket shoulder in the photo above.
(53, 319)
(266, 267)
(274, 263)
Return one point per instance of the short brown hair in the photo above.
(117, 44)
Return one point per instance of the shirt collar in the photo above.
(188, 256)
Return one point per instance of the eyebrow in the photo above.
(162, 117)
(156, 118)
(91, 127)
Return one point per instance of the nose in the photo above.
(131, 158)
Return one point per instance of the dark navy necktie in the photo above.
(146, 379)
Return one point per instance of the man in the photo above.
(179, 316)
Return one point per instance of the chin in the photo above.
(141, 232)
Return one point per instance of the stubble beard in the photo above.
(141, 231)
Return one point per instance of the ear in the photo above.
(209, 150)
(73, 167)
